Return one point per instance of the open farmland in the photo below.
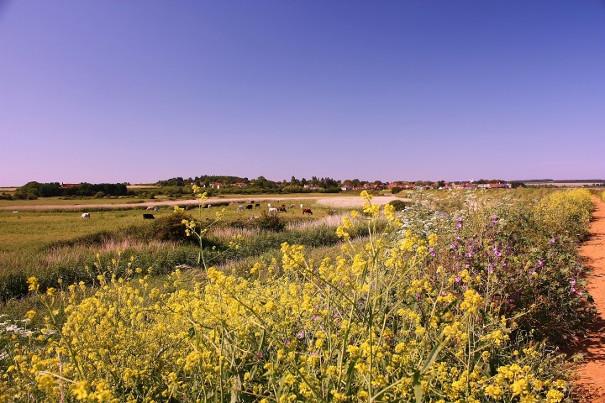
(375, 294)
(57, 245)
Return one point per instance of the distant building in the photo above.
(400, 184)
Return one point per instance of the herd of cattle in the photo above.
(241, 207)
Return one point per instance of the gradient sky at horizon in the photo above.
(141, 90)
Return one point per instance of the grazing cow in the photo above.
(256, 205)
(272, 210)
(147, 216)
(291, 206)
(85, 216)
(149, 208)
(307, 211)
(249, 207)
(15, 212)
(282, 209)
(240, 208)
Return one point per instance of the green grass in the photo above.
(53, 245)
(31, 229)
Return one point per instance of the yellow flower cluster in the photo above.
(575, 203)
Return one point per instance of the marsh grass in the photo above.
(62, 246)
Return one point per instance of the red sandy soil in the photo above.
(591, 374)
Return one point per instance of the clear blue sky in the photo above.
(140, 90)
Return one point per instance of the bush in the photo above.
(270, 222)
(169, 228)
(395, 190)
(37, 189)
(398, 205)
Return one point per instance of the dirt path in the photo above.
(592, 372)
(332, 201)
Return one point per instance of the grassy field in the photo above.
(32, 230)
(61, 245)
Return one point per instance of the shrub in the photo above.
(169, 228)
(398, 205)
(37, 189)
(270, 222)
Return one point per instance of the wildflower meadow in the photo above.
(464, 303)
